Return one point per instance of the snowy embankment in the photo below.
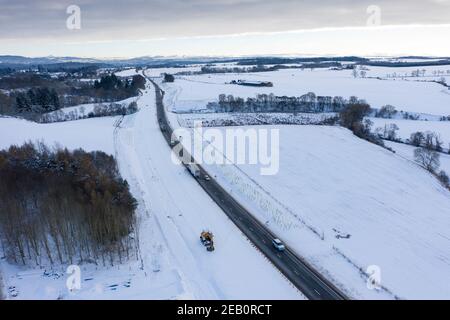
(244, 119)
(345, 204)
(172, 211)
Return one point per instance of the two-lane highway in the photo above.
(301, 274)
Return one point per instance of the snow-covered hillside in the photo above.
(345, 204)
(340, 202)
(89, 134)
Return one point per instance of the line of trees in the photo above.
(251, 69)
(38, 100)
(427, 154)
(429, 140)
(388, 132)
(100, 110)
(169, 78)
(58, 206)
(430, 160)
(307, 103)
(386, 112)
(111, 88)
(2, 295)
(353, 117)
(112, 82)
(6, 104)
(26, 80)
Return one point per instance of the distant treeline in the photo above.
(209, 69)
(356, 60)
(53, 67)
(58, 206)
(279, 60)
(6, 71)
(100, 110)
(394, 64)
(259, 68)
(307, 103)
(38, 100)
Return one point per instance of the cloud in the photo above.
(36, 26)
(108, 19)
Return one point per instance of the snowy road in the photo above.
(303, 276)
(177, 210)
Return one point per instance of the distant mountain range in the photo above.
(43, 60)
(10, 61)
(20, 62)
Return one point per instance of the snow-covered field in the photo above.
(173, 210)
(89, 134)
(398, 73)
(156, 72)
(332, 185)
(342, 203)
(126, 72)
(193, 92)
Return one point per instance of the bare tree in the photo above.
(386, 111)
(443, 177)
(62, 206)
(390, 131)
(427, 158)
(417, 139)
(433, 141)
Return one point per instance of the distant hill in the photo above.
(51, 62)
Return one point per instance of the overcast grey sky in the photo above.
(162, 26)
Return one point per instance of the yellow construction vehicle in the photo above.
(207, 239)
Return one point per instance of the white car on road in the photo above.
(278, 245)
